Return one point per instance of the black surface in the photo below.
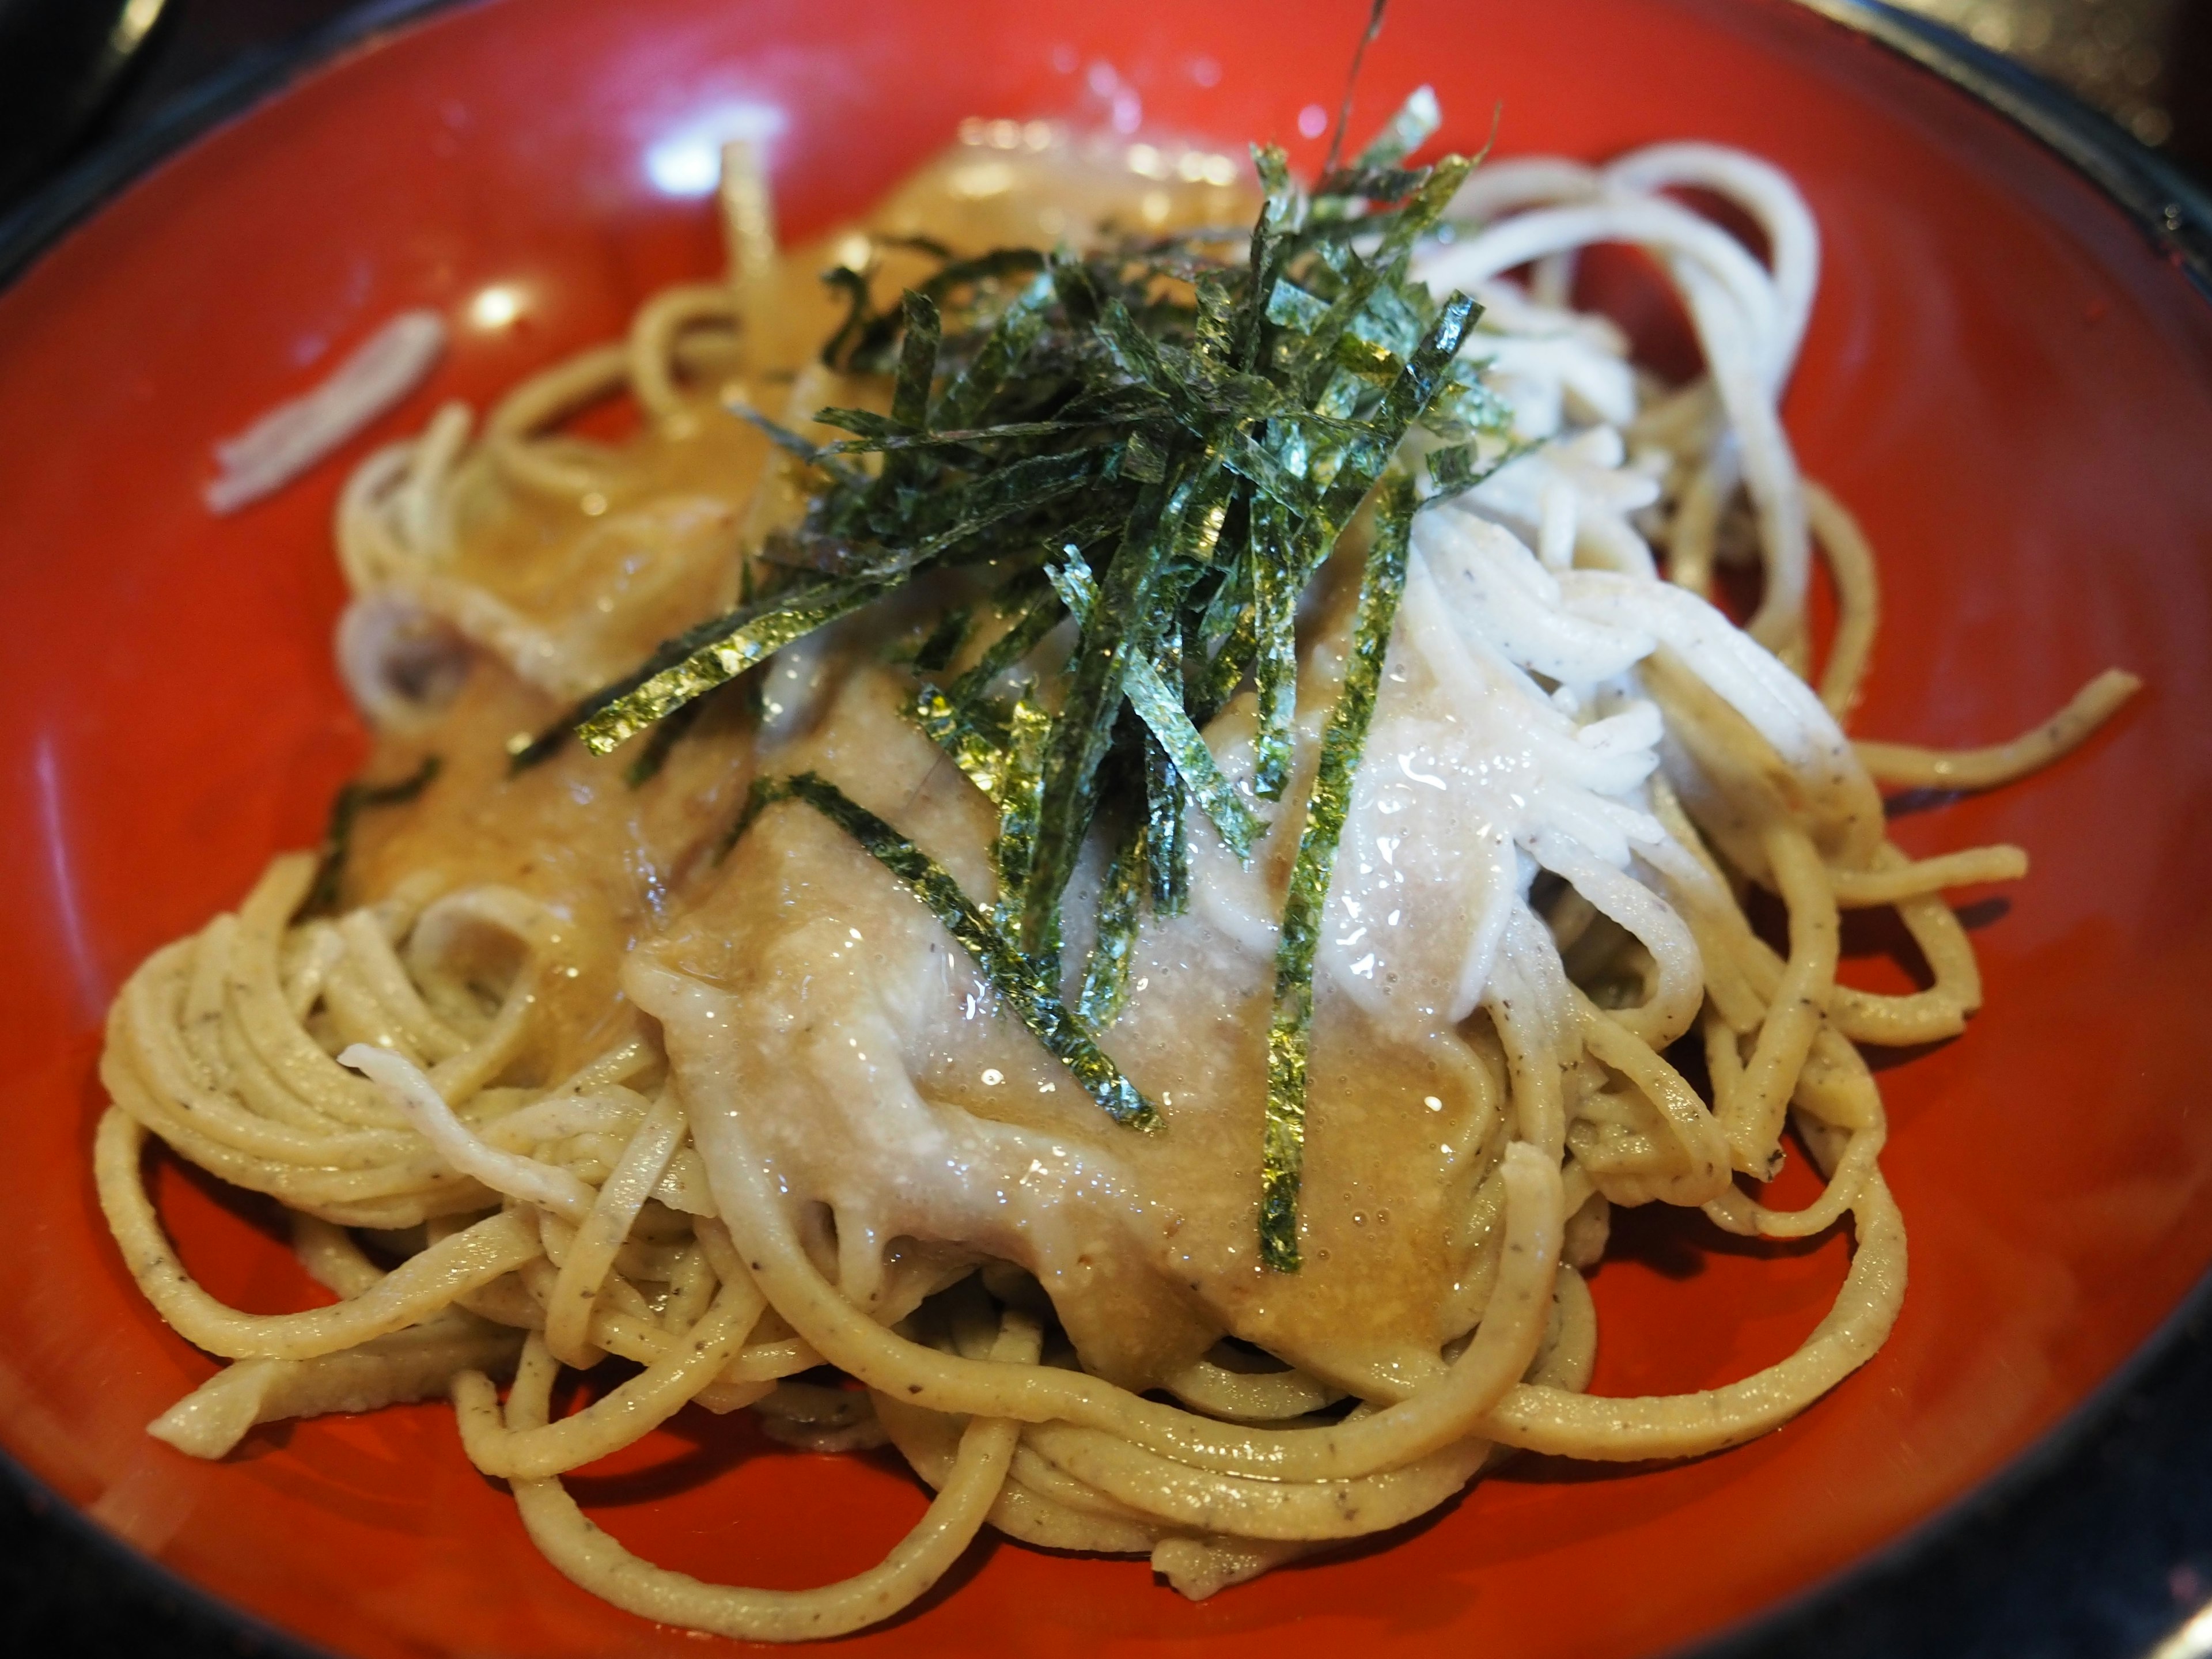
(61, 62)
(2159, 192)
(2097, 1546)
(2094, 1546)
(67, 1591)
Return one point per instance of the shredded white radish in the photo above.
(293, 436)
(546, 1185)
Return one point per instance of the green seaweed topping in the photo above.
(347, 805)
(1290, 1029)
(1004, 968)
(1161, 442)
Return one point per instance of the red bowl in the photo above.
(2011, 391)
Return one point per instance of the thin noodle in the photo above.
(2004, 763)
(603, 1566)
(1859, 597)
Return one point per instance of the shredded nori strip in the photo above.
(1037, 618)
(1008, 972)
(935, 653)
(1106, 972)
(917, 363)
(348, 805)
(1274, 632)
(1343, 740)
(972, 391)
(1351, 84)
(1455, 471)
(1027, 727)
(1413, 126)
(732, 644)
(1167, 837)
(955, 730)
(859, 311)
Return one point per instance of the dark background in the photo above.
(2101, 1549)
(75, 72)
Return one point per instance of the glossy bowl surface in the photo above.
(2013, 394)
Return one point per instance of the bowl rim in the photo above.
(2169, 208)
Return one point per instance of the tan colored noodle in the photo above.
(476, 1058)
(2004, 763)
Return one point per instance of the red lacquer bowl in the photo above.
(2014, 393)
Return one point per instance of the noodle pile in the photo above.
(496, 1186)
